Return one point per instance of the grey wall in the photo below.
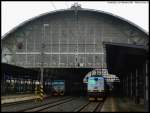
(70, 40)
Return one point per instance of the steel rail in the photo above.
(49, 105)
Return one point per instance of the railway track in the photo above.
(90, 107)
(73, 104)
(48, 105)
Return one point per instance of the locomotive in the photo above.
(96, 88)
(58, 87)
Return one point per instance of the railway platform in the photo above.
(16, 98)
(116, 104)
(19, 98)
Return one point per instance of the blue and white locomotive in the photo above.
(96, 87)
(58, 87)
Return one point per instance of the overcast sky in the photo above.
(14, 13)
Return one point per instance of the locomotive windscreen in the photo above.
(95, 84)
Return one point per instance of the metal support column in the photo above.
(94, 55)
(121, 82)
(136, 87)
(85, 53)
(26, 53)
(51, 45)
(42, 62)
(34, 64)
(146, 91)
(123, 86)
(59, 54)
(131, 85)
(78, 65)
(127, 84)
(67, 51)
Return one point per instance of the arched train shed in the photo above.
(72, 38)
(76, 40)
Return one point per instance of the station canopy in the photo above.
(16, 71)
(103, 72)
(122, 58)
